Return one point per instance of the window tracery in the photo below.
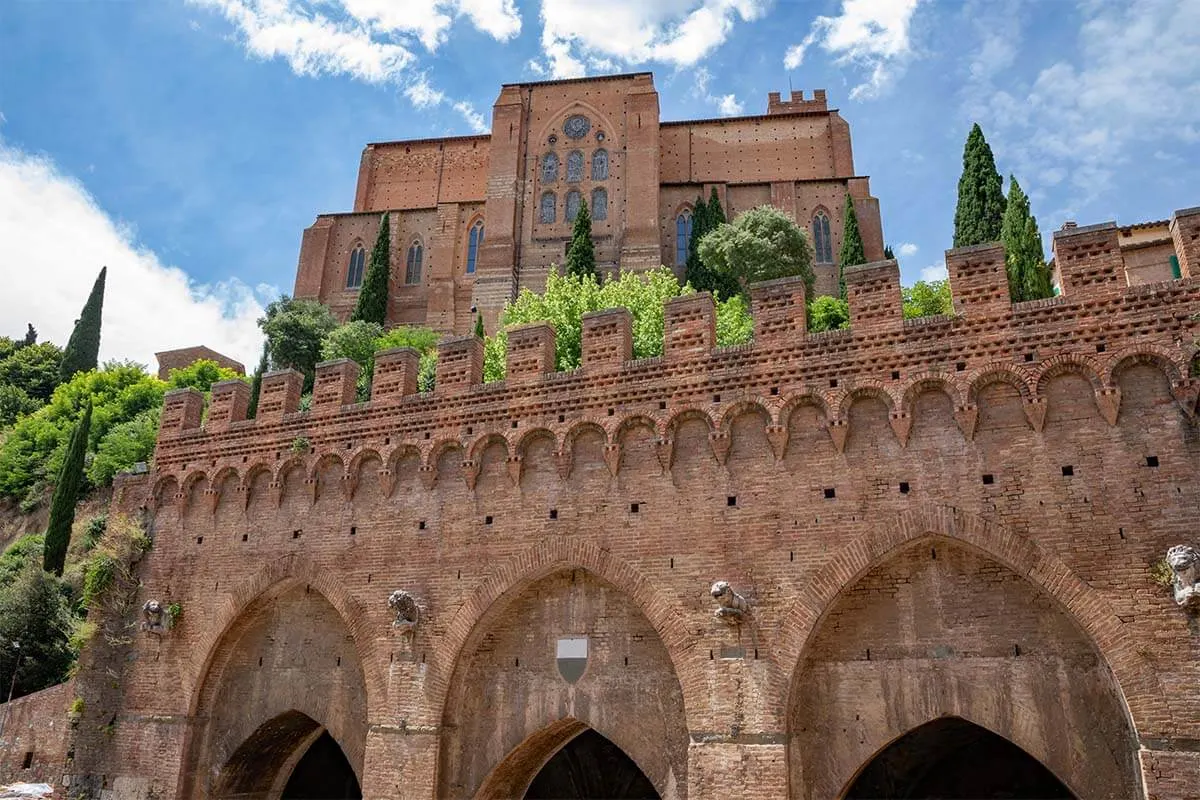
(574, 166)
(550, 168)
(354, 273)
(412, 269)
(573, 198)
(600, 165)
(683, 236)
(549, 208)
(599, 203)
(474, 242)
(822, 244)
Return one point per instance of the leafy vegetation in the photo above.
(852, 253)
(827, 313)
(980, 211)
(760, 244)
(294, 331)
(34, 612)
(66, 494)
(1025, 260)
(581, 254)
(707, 217)
(926, 299)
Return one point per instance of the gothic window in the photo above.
(572, 205)
(550, 168)
(574, 166)
(412, 269)
(474, 242)
(600, 165)
(683, 235)
(354, 274)
(822, 244)
(548, 207)
(599, 204)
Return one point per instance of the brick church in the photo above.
(476, 218)
(953, 556)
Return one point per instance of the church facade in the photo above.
(476, 218)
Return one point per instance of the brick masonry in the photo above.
(956, 515)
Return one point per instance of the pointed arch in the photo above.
(1135, 678)
(413, 262)
(356, 266)
(822, 241)
(474, 244)
(683, 234)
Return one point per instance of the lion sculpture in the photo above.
(408, 612)
(731, 606)
(1184, 561)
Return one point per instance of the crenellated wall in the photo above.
(956, 515)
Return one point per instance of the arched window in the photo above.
(599, 203)
(600, 165)
(412, 270)
(354, 274)
(474, 242)
(683, 235)
(550, 168)
(548, 210)
(822, 244)
(574, 166)
(572, 205)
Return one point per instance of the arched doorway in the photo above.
(593, 768)
(281, 712)
(951, 758)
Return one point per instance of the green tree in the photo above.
(980, 213)
(201, 374)
(14, 404)
(852, 253)
(295, 330)
(761, 244)
(1025, 260)
(927, 299)
(83, 348)
(264, 364)
(33, 368)
(373, 296)
(125, 444)
(66, 494)
(480, 333)
(827, 313)
(887, 252)
(581, 255)
(34, 612)
(32, 451)
(701, 276)
(30, 335)
(716, 214)
(28, 549)
(694, 272)
(568, 297)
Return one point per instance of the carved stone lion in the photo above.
(408, 612)
(1184, 561)
(154, 617)
(731, 606)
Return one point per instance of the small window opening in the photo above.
(554, 513)
(903, 487)
(487, 520)
(830, 493)
(296, 534)
(731, 500)
(1068, 470)
(353, 530)
(421, 525)
(1151, 461)
(989, 479)
(634, 508)
(199, 540)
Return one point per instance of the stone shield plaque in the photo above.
(572, 658)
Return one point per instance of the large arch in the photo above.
(285, 669)
(937, 627)
(510, 703)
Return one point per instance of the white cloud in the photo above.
(61, 238)
(729, 106)
(578, 34)
(368, 40)
(906, 249)
(476, 120)
(870, 34)
(934, 272)
(1132, 87)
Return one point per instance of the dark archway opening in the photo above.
(591, 767)
(953, 759)
(323, 774)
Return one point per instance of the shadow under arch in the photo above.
(288, 756)
(567, 755)
(950, 758)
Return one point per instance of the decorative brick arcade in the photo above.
(936, 533)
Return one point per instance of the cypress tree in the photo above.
(83, 348)
(852, 252)
(716, 214)
(694, 272)
(581, 256)
(979, 217)
(30, 335)
(887, 252)
(66, 492)
(1024, 258)
(479, 331)
(256, 381)
(373, 297)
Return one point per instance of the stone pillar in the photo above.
(641, 246)
(873, 294)
(689, 326)
(495, 274)
(230, 403)
(607, 338)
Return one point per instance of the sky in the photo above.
(186, 144)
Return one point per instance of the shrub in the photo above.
(760, 244)
(927, 299)
(828, 314)
(35, 613)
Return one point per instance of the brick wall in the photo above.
(1046, 452)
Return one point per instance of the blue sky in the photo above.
(187, 144)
